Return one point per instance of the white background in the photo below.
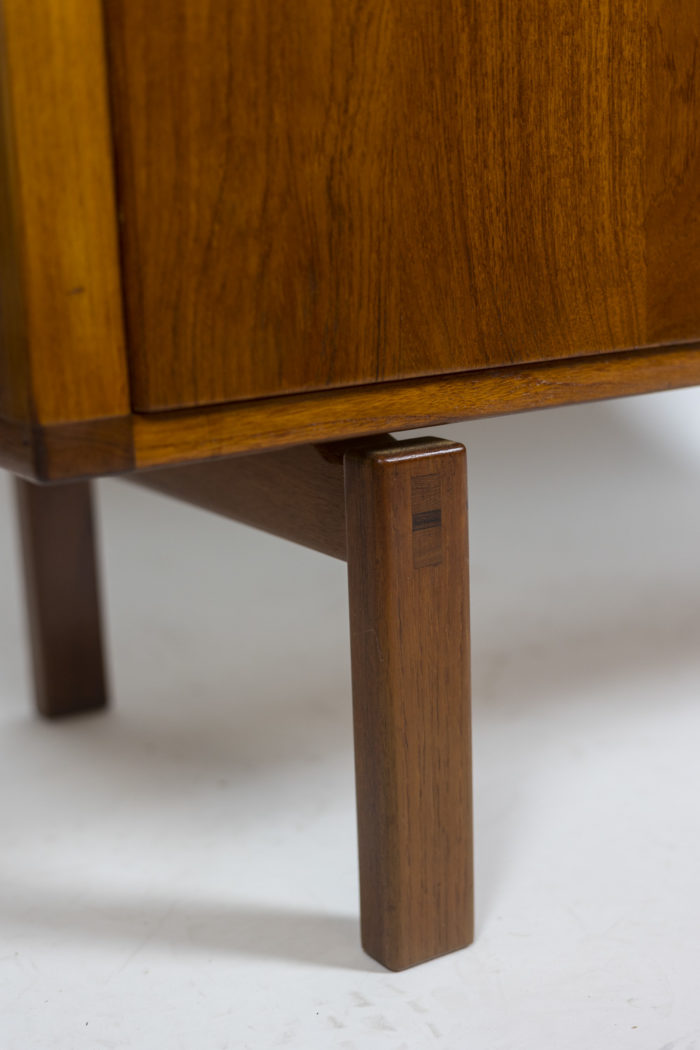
(181, 872)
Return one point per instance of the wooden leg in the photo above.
(62, 598)
(406, 515)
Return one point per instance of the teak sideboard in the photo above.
(245, 240)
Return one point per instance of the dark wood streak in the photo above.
(427, 519)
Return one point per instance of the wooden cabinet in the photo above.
(232, 226)
(237, 224)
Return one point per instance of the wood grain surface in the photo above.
(161, 438)
(406, 509)
(338, 194)
(62, 355)
(61, 591)
(321, 195)
(673, 171)
(397, 512)
(297, 494)
(145, 441)
(92, 448)
(14, 362)
(520, 196)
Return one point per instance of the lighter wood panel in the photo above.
(61, 326)
(321, 195)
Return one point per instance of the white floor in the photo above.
(180, 872)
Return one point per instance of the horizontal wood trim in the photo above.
(67, 451)
(89, 449)
(142, 442)
(161, 438)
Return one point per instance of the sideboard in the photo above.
(245, 241)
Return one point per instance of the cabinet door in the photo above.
(331, 192)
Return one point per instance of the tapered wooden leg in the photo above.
(60, 576)
(406, 514)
